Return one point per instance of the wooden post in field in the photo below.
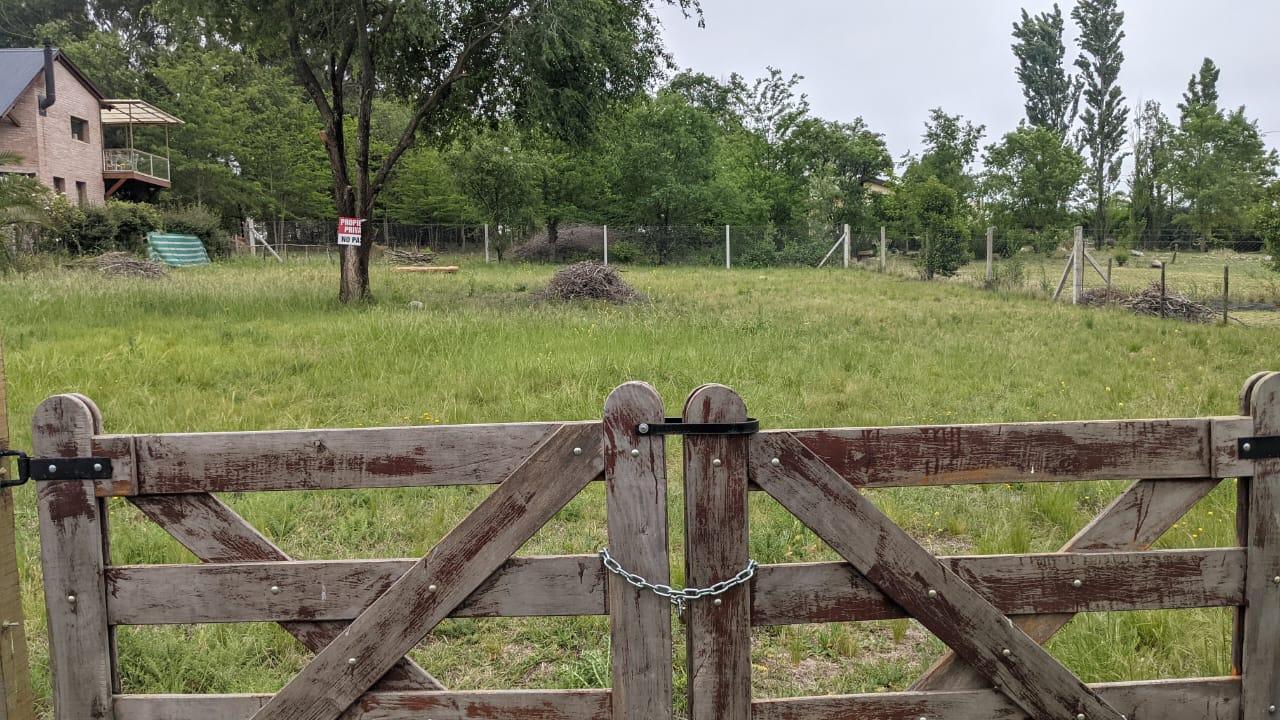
(1226, 291)
(727, 262)
(1260, 654)
(884, 258)
(846, 245)
(1162, 291)
(1109, 279)
(991, 241)
(486, 242)
(16, 702)
(1077, 267)
(606, 244)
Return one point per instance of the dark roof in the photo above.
(19, 66)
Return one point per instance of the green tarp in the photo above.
(176, 250)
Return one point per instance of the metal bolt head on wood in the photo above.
(635, 452)
(716, 462)
(275, 589)
(932, 593)
(643, 428)
(775, 462)
(71, 599)
(1077, 583)
(432, 588)
(351, 661)
(577, 451)
(1006, 652)
(1246, 447)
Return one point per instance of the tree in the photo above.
(1052, 95)
(1202, 88)
(555, 65)
(500, 179)
(1150, 193)
(1031, 177)
(951, 144)
(932, 209)
(1105, 114)
(833, 161)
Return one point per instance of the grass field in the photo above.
(243, 345)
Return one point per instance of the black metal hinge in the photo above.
(677, 426)
(53, 469)
(1258, 448)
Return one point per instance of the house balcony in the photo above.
(130, 164)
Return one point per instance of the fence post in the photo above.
(72, 524)
(1163, 293)
(636, 500)
(1109, 279)
(1077, 267)
(16, 701)
(1260, 684)
(991, 239)
(486, 242)
(884, 259)
(606, 244)
(719, 634)
(846, 245)
(727, 262)
(1226, 291)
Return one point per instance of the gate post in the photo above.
(635, 478)
(1260, 685)
(715, 492)
(72, 521)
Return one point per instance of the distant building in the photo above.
(54, 120)
(877, 186)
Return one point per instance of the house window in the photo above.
(80, 129)
(82, 193)
(60, 185)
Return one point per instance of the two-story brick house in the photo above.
(53, 120)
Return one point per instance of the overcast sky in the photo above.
(892, 60)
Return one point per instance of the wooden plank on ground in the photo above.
(1133, 521)
(1015, 584)
(456, 705)
(854, 527)
(16, 700)
(71, 553)
(719, 636)
(1198, 699)
(1015, 452)
(215, 533)
(333, 459)
(557, 471)
(1261, 680)
(330, 590)
(636, 497)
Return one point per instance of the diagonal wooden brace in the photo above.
(556, 472)
(215, 533)
(888, 557)
(1133, 521)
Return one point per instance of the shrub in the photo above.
(944, 255)
(1121, 256)
(96, 229)
(132, 223)
(201, 221)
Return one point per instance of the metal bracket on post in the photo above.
(1258, 448)
(677, 426)
(54, 469)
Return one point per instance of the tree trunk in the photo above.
(553, 230)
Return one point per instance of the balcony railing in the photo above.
(122, 160)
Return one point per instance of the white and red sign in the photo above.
(349, 232)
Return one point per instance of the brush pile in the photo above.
(589, 281)
(409, 257)
(122, 264)
(1148, 302)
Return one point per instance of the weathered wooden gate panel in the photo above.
(991, 610)
(16, 699)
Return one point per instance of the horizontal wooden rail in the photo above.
(1031, 452)
(441, 455)
(575, 585)
(337, 590)
(459, 705)
(1198, 699)
(1015, 584)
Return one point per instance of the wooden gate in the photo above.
(993, 612)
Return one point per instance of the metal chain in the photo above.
(679, 597)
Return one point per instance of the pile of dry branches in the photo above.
(589, 281)
(122, 264)
(1148, 302)
(409, 257)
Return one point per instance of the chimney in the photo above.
(50, 95)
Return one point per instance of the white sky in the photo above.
(890, 61)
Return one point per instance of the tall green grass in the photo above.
(243, 345)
